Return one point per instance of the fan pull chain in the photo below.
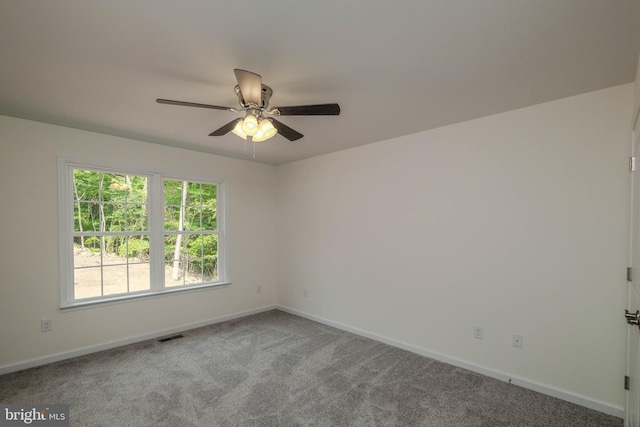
(254, 150)
(245, 145)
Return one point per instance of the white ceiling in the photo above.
(395, 67)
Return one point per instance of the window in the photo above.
(190, 232)
(128, 233)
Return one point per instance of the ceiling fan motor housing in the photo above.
(266, 96)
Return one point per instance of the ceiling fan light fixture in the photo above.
(237, 130)
(250, 125)
(265, 131)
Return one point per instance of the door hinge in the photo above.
(627, 382)
(632, 164)
(629, 276)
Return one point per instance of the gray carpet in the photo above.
(276, 369)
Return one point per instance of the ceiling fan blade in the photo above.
(193, 104)
(250, 86)
(309, 110)
(286, 131)
(225, 129)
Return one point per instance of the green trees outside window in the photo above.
(190, 223)
(113, 244)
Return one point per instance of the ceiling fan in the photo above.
(254, 102)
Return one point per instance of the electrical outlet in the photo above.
(46, 325)
(259, 289)
(517, 341)
(478, 332)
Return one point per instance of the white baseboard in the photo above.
(31, 363)
(567, 395)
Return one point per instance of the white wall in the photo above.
(516, 222)
(29, 270)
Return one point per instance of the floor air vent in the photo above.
(172, 337)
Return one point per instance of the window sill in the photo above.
(119, 299)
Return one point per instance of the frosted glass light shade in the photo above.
(238, 130)
(265, 131)
(250, 125)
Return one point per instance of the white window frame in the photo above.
(155, 188)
